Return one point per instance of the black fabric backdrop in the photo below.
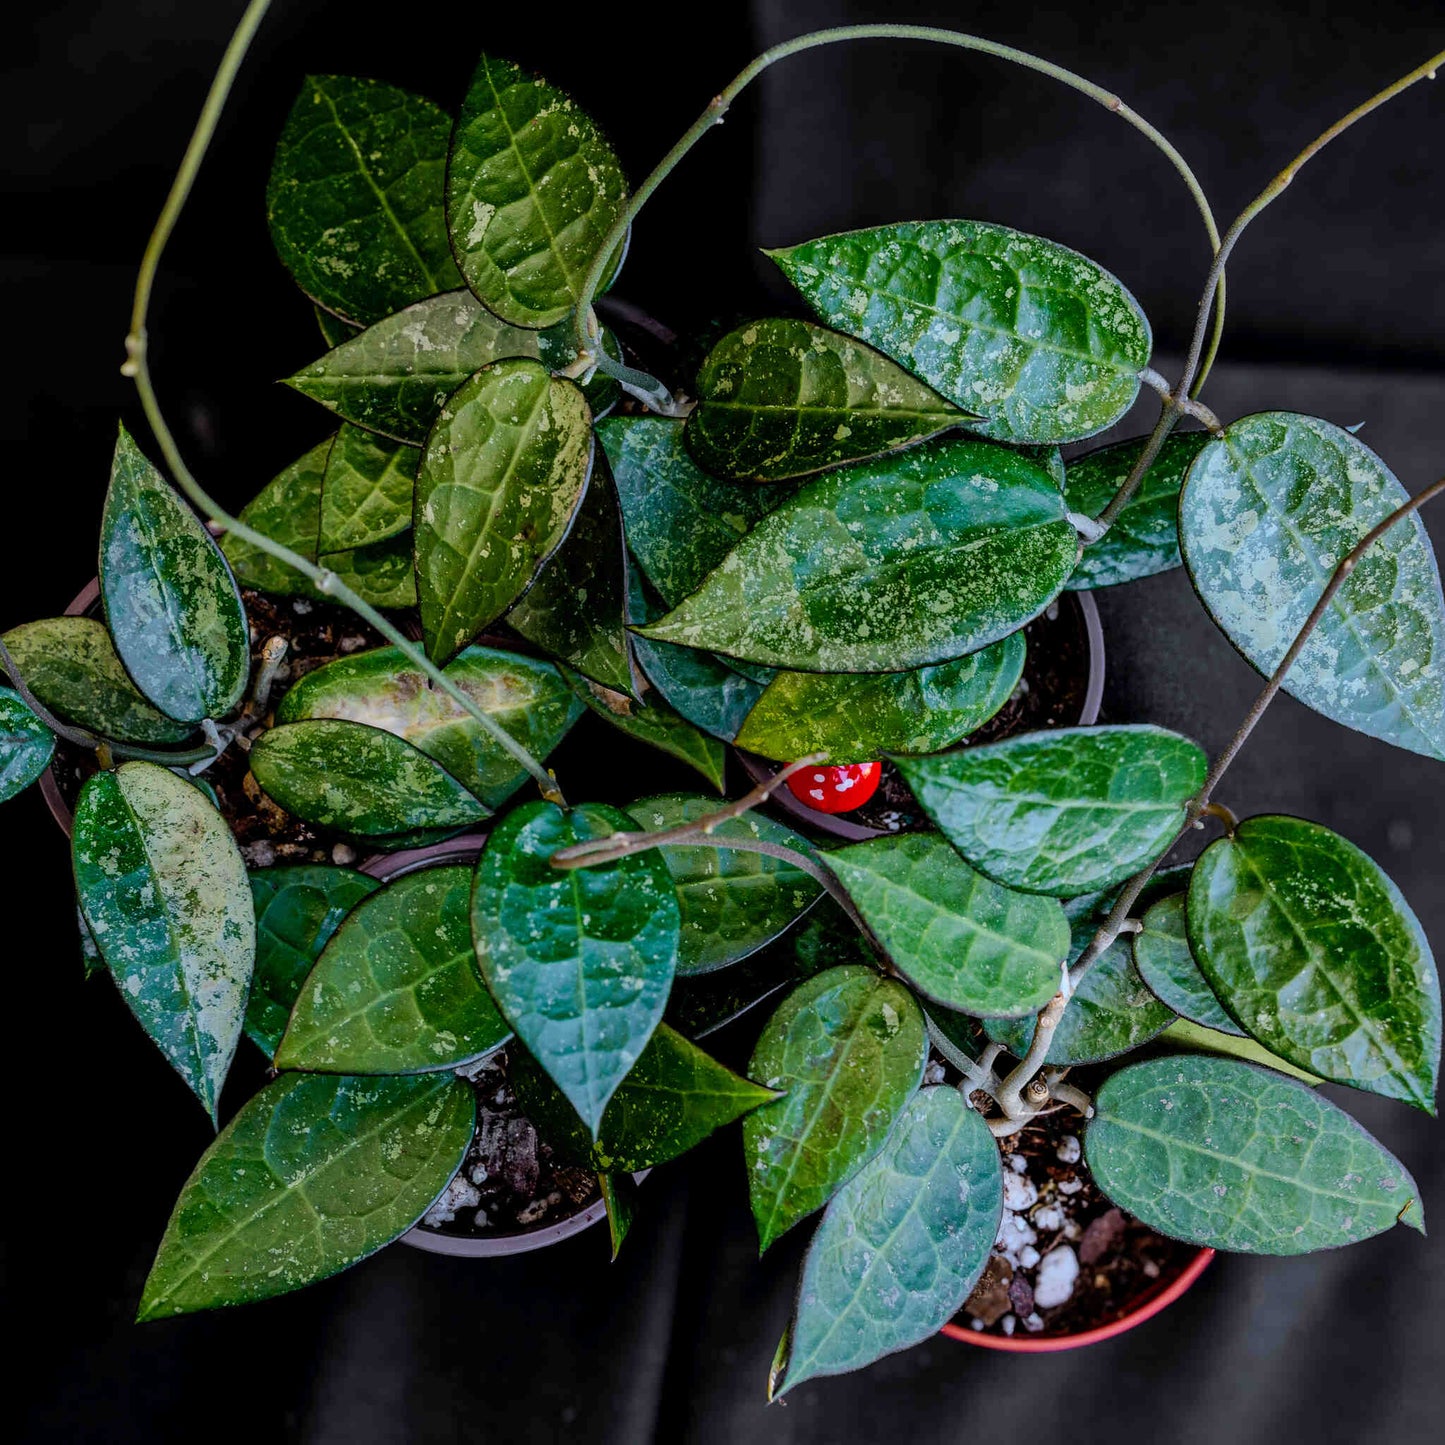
(1337, 310)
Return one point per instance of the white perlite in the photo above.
(1019, 1192)
(1070, 1151)
(459, 1195)
(1054, 1282)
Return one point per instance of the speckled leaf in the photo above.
(897, 563)
(657, 725)
(355, 197)
(287, 510)
(1314, 952)
(1269, 511)
(170, 600)
(782, 398)
(856, 717)
(731, 903)
(1166, 963)
(680, 522)
(575, 609)
(382, 689)
(580, 961)
(396, 990)
(901, 1246)
(1195, 1038)
(164, 892)
(380, 574)
(366, 494)
(25, 744)
(1144, 539)
(532, 190)
(315, 1173)
(847, 1049)
(1065, 811)
(1046, 344)
(1224, 1154)
(359, 780)
(504, 472)
(71, 665)
(956, 936)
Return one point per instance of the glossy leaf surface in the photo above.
(1195, 1038)
(366, 494)
(1166, 963)
(25, 744)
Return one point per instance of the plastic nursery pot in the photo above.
(389, 866)
(1080, 606)
(1164, 1292)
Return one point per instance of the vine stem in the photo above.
(137, 366)
(1192, 377)
(717, 108)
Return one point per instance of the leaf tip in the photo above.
(1412, 1214)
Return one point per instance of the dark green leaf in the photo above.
(25, 744)
(366, 494)
(333, 329)
(581, 960)
(892, 564)
(1166, 963)
(380, 574)
(170, 599)
(355, 197)
(1195, 1038)
(1047, 345)
(315, 1173)
(532, 190)
(383, 689)
(297, 910)
(680, 522)
(702, 1003)
(1269, 511)
(1062, 812)
(1224, 1154)
(504, 472)
(856, 717)
(780, 399)
(731, 902)
(396, 990)
(902, 1244)
(358, 779)
(959, 938)
(1315, 953)
(1145, 537)
(847, 1048)
(619, 1195)
(90, 952)
(164, 892)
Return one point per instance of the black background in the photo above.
(1336, 309)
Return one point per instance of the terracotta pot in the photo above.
(760, 769)
(1164, 1293)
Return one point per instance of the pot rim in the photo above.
(1163, 1296)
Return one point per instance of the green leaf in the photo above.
(575, 609)
(911, 559)
(580, 961)
(656, 724)
(358, 780)
(780, 399)
(1223, 1154)
(856, 717)
(619, 1195)
(298, 908)
(847, 1048)
(355, 197)
(901, 1246)
(165, 894)
(312, 1175)
(532, 190)
(333, 329)
(1047, 345)
(504, 472)
(366, 494)
(381, 574)
(1314, 952)
(1195, 1038)
(396, 990)
(1166, 963)
(680, 522)
(383, 689)
(1144, 539)
(731, 902)
(71, 665)
(959, 938)
(170, 600)
(1269, 511)
(25, 744)
(1062, 812)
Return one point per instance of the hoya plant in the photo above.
(827, 549)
